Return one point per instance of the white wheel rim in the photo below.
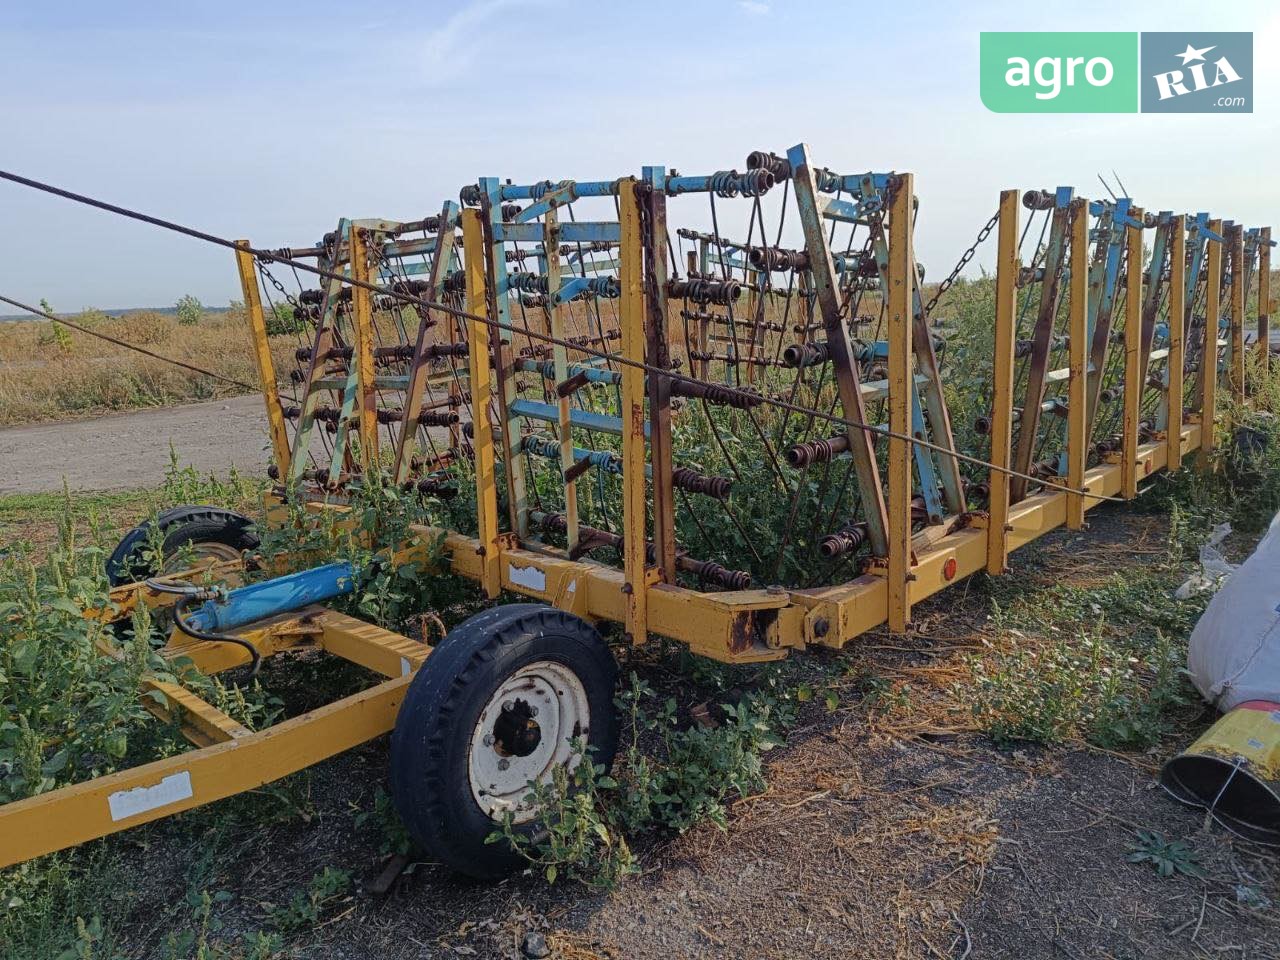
(546, 695)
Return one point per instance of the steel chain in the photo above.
(964, 260)
(292, 300)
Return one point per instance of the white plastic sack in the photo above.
(1213, 565)
(1234, 654)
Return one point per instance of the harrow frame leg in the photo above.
(1007, 267)
(1175, 364)
(1041, 338)
(362, 355)
(1133, 359)
(1077, 385)
(1235, 372)
(1264, 300)
(631, 320)
(1209, 355)
(480, 375)
(902, 279)
(262, 358)
(658, 354)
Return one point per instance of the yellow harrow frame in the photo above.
(743, 626)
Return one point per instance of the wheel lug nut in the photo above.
(508, 705)
(533, 711)
(488, 739)
(504, 763)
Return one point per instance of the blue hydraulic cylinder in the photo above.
(258, 601)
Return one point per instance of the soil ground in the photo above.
(883, 834)
(129, 450)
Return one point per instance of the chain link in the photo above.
(292, 300)
(964, 260)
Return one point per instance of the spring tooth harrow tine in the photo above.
(822, 266)
(1042, 336)
(442, 257)
(324, 339)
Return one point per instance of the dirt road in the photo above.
(128, 450)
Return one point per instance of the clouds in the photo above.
(756, 8)
(451, 47)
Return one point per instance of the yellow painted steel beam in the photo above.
(738, 626)
(1132, 398)
(75, 814)
(836, 615)
(901, 393)
(631, 324)
(125, 598)
(1002, 381)
(269, 637)
(362, 354)
(201, 722)
(382, 651)
(1078, 361)
(1177, 322)
(261, 345)
(1235, 374)
(481, 378)
(1208, 379)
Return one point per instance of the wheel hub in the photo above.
(525, 731)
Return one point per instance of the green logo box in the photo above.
(1059, 72)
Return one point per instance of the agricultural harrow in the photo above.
(717, 408)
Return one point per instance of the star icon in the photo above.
(1191, 53)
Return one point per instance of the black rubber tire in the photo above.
(430, 745)
(180, 526)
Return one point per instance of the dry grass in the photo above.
(48, 374)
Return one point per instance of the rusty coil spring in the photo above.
(455, 282)
(816, 451)
(595, 246)
(436, 486)
(730, 183)
(528, 282)
(412, 288)
(721, 394)
(779, 167)
(433, 418)
(844, 541)
(1038, 199)
(778, 258)
(702, 291)
(694, 482)
(705, 570)
(806, 354)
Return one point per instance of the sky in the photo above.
(269, 121)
